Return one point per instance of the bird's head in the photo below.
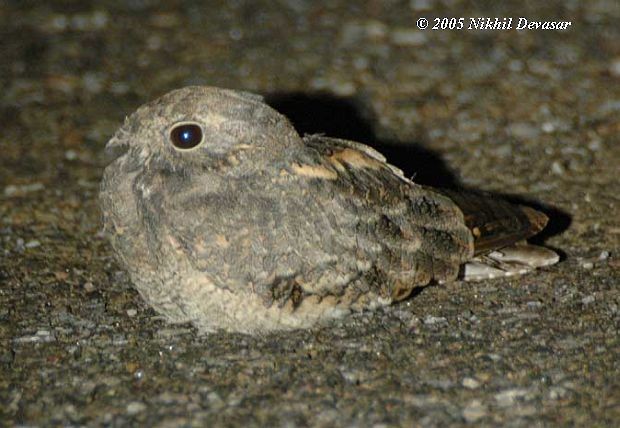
(206, 127)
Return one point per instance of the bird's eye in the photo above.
(186, 135)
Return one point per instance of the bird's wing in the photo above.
(410, 234)
(494, 222)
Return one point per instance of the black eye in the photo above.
(186, 136)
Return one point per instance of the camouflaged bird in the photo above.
(224, 216)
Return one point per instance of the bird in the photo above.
(225, 217)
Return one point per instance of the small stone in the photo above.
(132, 312)
(235, 34)
(474, 411)
(89, 22)
(470, 383)
(548, 127)
(533, 304)
(93, 82)
(32, 244)
(215, 400)
(507, 397)
(171, 332)
(557, 168)
(604, 255)
(89, 287)
(431, 320)
(43, 333)
(557, 392)
(41, 336)
(61, 275)
(408, 37)
(71, 155)
(595, 144)
(135, 407)
(587, 265)
(57, 23)
(119, 340)
(588, 299)
(503, 150)
(515, 65)
(119, 88)
(523, 130)
(86, 387)
(343, 89)
(19, 245)
(420, 5)
(375, 29)
(17, 190)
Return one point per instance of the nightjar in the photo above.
(225, 217)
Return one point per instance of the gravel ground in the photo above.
(532, 114)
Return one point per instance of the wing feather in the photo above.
(494, 222)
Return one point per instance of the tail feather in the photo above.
(496, 223)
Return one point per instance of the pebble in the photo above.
(119, 88)
(509, 396)
(523, 130)
(557, 392)
(503, 150)
(494, 357)
(557, 168)
(215, 400)
(17, 190)
(595, 144)
(570, 343)
(548, 127)
(19, 245)
(610, 106)
(533, 304)
(119, 340)
(41, 336)
(470, 383)
(474, 411)
(132, 312)
(32, 244)
(96, 20)
(419, 5)
(356, 32)
(431, 320)
(515, 65)
(604, 255)
(71, 155)
(588, 299)
(408, 37)
(93, 82)
(171, 332)
(587, 265)
(135, 407)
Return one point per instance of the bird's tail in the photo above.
(500, 229)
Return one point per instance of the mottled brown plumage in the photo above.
(257, 229)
